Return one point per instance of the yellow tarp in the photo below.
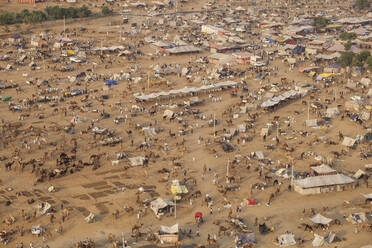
(325, 75)
(178, 189)
(70, 52)
(312, 73)
(334, 26)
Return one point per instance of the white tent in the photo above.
(287, 239)
(349, 142)
(318, 240)
(149, 131)
(168, 114)
(332, 112)
(169, 229)
(137, 161)
(90, 218)
(160, 203)
(320, 219)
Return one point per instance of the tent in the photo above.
(287, 239)
(198, 215)
(137, 161)
(227, 147)
(168, 114)
(263, 229)
(357, 218)
(168, 234)
(332, 112)
(349, 142)
(358, 174)
(160, 206)
(318, 240)
(178, 190)
(111, 82)
(320, 219)
(149, 131)
(90, 218)
(245, 238)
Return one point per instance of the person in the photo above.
(211, 211)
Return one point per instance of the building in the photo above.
(322, 184)
(31, 1)
(322, 170)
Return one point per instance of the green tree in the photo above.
(346, 58)
(7, 18)
(347, 36)
(362, 4)
(348, 45)
(320, 22)
(35, 17)
(84, 12)
(6, 29)
(106, 11)
(369, 62)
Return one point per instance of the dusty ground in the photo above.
(111, 187)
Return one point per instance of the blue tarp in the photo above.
(269, 40)
(260, 76)
(298, 50)
(111, 82)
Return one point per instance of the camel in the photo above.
(135, 228)
(222, 229)
(178, 244)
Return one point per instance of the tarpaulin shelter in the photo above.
(320, 219)
(308, 69)
(349, 142)
(263, 229)
(198, 215)
(137, 161)
(111, 82)
(160, 206)
(168, 234)
(178, 190)
(245, 238)
(287, 239)
(298, 50)
(357, 218)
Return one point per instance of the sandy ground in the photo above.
(113, 187)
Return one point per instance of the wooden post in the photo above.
(214, 124)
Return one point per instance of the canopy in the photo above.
(320, 219)
(286, 239)
(160, 203)
(171, 230)
(309, 68)
(367, 196)
(137, 161)
(111, 82)
(199, 215)
(176, 188)
(245, 238)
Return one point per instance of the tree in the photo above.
(320, 22)
(106, 11)
(346, 58)
(7, 18)
(362, 4)
(369, 62)
(83, 11)
(6, 29)
(347, 36)
(348, 45)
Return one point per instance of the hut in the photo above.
(322, 184)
